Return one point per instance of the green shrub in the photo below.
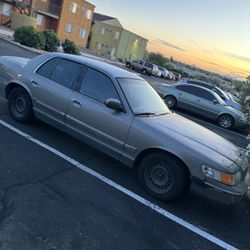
(69, 47)
(51, 40)
(28, 36)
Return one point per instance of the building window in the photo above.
(82, 32)
(98, 46)
(86, 13)
(39, 20)
(73, 7)
(69, 28)
(116, 35)
(102, 31)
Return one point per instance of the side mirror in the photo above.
(114, 104)
(215, 101)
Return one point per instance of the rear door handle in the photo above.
(77, 103)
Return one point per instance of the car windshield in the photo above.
(142, 98)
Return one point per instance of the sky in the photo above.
(211, 34)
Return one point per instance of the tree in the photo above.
(157, 58)
(70, 47)
(51, 40)
(245, 101)
(248, 78)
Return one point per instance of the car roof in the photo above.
(197, 86)
(112, 70)
(199, 81)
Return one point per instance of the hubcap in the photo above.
(159, 177)
(225, 122)
(170, 101)
(18, 106)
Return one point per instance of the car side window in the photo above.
(141, 62)
(206, 95)
(98, 86)
(47, 68)
(65, 72)
(149, 65)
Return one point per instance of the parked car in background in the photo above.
(202, 101)
(147, 68)
(224, 96)
(172, 75)
(157, 72)
(120, 114)
(164, 72)
(177, 76)
(233, 97)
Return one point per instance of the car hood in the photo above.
(233, 104)
(195, 132)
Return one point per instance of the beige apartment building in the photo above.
(109, 37)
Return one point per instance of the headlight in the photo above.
(222, 177)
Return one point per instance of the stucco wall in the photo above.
(18, 20)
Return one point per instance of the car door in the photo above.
(207, 103)
(50, 86)
(91, 120)
(186, 97)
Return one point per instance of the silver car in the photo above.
(204, 102)
(120, 114)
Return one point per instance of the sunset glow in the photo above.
(211, 34)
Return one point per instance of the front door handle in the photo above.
(77, 103)
(34, 83)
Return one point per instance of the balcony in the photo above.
(48, 8)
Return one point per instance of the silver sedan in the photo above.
(120, 114)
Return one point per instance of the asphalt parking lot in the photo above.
(53, 197)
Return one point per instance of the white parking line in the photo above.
(129, 193)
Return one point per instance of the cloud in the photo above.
(211, 63)
(165, 43)
(235, 56)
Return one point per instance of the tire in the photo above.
(144, 72)
(171, 101)
(128, 65)
(163, 176)
(225, 121)
(20, 105)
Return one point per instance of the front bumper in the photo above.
(226, 193)
(242, 124)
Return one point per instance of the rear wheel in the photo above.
(225, 121)
(171, 101)
(20, 105)
(163, 176)
(144, 72)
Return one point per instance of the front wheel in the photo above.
(163, 176)
(20, 105)
(225, 121)
(171, 101)
(128, 65)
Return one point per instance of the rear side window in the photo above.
(47, 68)
(65, 72)
(98, 86)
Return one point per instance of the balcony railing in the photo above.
(48, 7)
